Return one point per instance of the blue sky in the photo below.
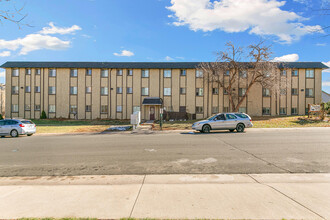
(164, 30)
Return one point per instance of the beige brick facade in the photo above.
(122, 93)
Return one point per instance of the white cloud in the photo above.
(2, 74)
(287, 58)
(38, 41)
(262, 17)
(168, 58)
(321, 44)
(327, 64)
(326, 83)
(59, 30)
(124, 53)
(33, 42)
(5, 53)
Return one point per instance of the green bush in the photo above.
(1, 117)
(327, 107)
(43, 115)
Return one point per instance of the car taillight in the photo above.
(21, 125)
(250, 120)
(35, 125)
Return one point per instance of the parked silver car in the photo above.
(224, 121)
(16, 127)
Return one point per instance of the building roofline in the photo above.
(140, 65)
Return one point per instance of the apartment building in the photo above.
(92, 90)
(2, 98)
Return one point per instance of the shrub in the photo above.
(1, 117)
(43, 115)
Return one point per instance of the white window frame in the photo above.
(129, 90)
(51, 91)
(104, 73)
(73, 90)
(88, 89)
(145, 91)
(51, 108)
(15, 72)
(73, 72)
(167, 92)
(14, 108)
(119, 90)
(145, 73)
(119, 108)
(199, 73)
(52, 72)
(104, 91)
(167, 73)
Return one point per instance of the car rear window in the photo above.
(27, 122)
(242, 115)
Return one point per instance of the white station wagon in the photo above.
(224, 121)
(16, 127)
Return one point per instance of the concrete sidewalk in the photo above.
(253, 196)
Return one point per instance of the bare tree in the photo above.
(228, 70)
(13, 15)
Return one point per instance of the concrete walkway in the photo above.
(250, 196)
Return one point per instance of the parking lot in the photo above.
(304, 150)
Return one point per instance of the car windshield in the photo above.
(211, 118)
(27, 122)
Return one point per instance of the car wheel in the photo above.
(206, 129)
(29, 134)
(14, 133)
(240, 128)
(231, 130)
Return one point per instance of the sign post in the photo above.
(161, 118)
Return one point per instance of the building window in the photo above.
(88, 89)
(88, 108)
(104, 109)
(27, 107)
(129, 90)
(37, 89)
(119, 108)
(73, 90)
(145, 91)
(294, 91)
(145, 73)
(199, 91)
(309, 73)
(73, 109)
(283, 91)
(282, 111)
(37, 108)
(294, 73)
(52, 73)
(266, 111)
(242, 109)
(28, 89)
(104, 73)
(215, 91)
(130, 72)
(119, 72)
(104, 90)
(28, 71)
(243, 74)
(183, 72)
(182, 91)
(37, 71)
(294, 111)
(74, 72)
(199, 73)
(283, 72)
(241, 91)
(88, 72)
(309, 93)
(119, 90)
(199, 109)
(14, 108)
(167, 73)
(265, 92)
(15, 72)
(215, 109)
(51, 108)
(225, 91)
(227, 73)
(14, 90)
(225, 109)
(136, 108)
(167, 91)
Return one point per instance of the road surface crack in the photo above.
(282, 193)
(255, 156)
(130, 215)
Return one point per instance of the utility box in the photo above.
(136, 119)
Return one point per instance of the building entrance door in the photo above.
(152, 113)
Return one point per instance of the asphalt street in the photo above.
(255, 151)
